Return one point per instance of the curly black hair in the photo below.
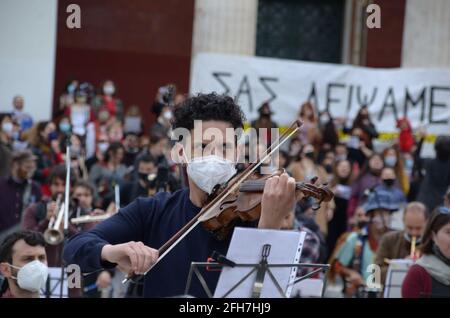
(32, 238)
(210, 106)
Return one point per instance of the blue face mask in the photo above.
(409, 163)
(390, 161)
(64, 127)
(53, 136)
(71, 88)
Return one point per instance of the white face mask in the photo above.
(167, 115)
(208, 171)
(380, 222)
(103, 146)
(109, 89)
(8, 128)
(32, 276)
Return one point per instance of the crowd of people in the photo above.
(115, 160)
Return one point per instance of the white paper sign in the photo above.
(423, 95)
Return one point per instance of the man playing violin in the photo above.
(131, 238)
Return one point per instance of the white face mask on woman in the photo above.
(32, 276)
(208, 171)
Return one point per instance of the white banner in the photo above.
(422, 95)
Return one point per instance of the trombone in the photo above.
(53, 234)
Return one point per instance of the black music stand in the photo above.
(260, 268)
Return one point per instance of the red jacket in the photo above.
(406, 138)
(417, 283)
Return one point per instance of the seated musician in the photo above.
(131, 238)
(397, 244)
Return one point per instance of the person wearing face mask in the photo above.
(67, 98)
(147, 181)
(389, 183)
(358, 251)
(341, 186)
(394, 159)
(130, 238)
(327, 162)
(17, 191)
(6, 130)
(100, 151)
(363, 122)
(139, 187)
(107, 101)
(309, 132)
(429, 277)
(357, 150)
(163, 124)
(44, 141)
(37, 216)
(64, 126)
(23, 262)
(80, 112)
(397, 244)
(368, 178)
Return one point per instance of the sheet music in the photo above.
(55, 283)
(395, 275)
(245, 248)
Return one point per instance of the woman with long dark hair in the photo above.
(340, 185)
(394, 159)
(430, 275)
(363, 121)
(368, 178)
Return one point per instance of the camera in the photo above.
(167, 94)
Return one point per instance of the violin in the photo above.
(245, 203)
(239, 198)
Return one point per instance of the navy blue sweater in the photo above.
(152, 221)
